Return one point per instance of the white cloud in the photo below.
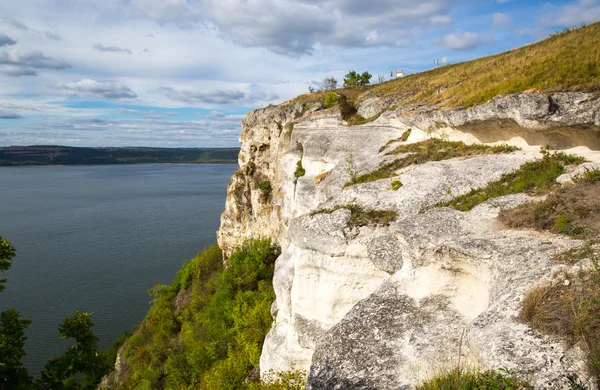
(225, 96)
(96, 89)
(572, 14)
(460, 40)
(501, 20)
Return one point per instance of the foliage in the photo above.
(396, 185)
(330, 99)
(422, 152)
(471, 379)
(350, 170)
(300, 171)
(533, 176)
(405, 135)
(353, 79)
(570, 310)
(215, 340)
(83, 357)
(7, 252)
(329, 83)
(12, 348)
(589, 176)
(347, 109)
(265, 190)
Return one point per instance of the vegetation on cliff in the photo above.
(421, 152)
(206, 329)
(536, 176)
(565, 62)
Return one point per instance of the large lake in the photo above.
(96, 238)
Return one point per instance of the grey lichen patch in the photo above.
(385, 253)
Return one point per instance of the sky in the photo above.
(183, 73)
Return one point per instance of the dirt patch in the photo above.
(572, 210)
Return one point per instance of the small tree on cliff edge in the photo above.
(353, 79)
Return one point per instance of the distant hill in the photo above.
(68, 155)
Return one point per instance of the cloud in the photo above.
(6, 41)
(25, 64)
(18, 24)
(460, 40)
(9, 115)
(296, 27)
(225, 96)
(441, 20)
(113, 49)
(501, 20)
(97, 89)
(572, 14)
(128, 111)
(53, 36)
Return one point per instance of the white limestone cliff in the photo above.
(379, 307)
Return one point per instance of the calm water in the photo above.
(96, 238)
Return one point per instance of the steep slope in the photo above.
(379, 305)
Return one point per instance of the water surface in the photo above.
(96, 238)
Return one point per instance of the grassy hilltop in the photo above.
(567, 61)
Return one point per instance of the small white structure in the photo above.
(399, 73)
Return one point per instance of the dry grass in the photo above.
(568, 61)
(570, 310)
(472, 379)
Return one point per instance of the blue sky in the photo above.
(184, 72)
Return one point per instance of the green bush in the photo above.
(396, 185)
(330, 99)
(300, 171)
(215, 340)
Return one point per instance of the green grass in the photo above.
(533, 176)
(213, 341)
(396, 185)
(430, 150)
(362, 217)
(564, 62)
(471, 379)
(590, 176)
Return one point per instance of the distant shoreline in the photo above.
(56, 155)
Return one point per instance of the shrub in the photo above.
(214, 341)
(330, 99)
(300, 171)
(362, 217)
(265, 191)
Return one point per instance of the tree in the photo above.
(329, 84)
(83, 357)
(7, 252)
(12, 342)
(353, 79)
(365, 78)
(12, 333)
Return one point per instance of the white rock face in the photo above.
(379, 307)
